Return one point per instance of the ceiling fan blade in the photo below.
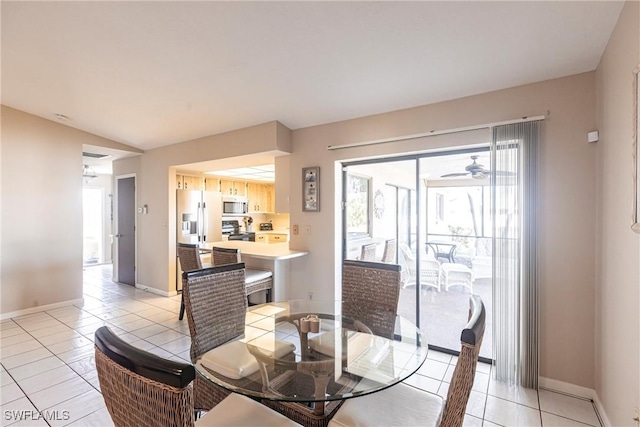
(451, 175)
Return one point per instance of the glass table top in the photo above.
(306, 351)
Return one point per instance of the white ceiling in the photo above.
(155, 73)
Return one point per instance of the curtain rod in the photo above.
(438, 132)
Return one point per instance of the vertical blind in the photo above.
(514, 152)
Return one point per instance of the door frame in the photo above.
(116, 246)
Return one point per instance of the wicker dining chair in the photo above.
(370, 292)
(189, 256)
(389, 254)
(403, 404)
(143, 390)
(255, 280)
(368, 252)
(216, 305)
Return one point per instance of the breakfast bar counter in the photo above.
(275, 257)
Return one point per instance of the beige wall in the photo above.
(618, 279)
(567, 194)
(155, 174)
(41, 196)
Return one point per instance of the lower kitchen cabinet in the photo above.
(272, 237)
(277, 238)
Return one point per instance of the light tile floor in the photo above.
(48, 375)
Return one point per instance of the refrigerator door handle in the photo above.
(204, 222)
(199, 222)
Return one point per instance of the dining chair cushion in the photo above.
(252, 275)
(399, 405)
(234, 361)
(237, 410)
(357, 344)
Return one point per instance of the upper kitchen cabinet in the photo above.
(189, 182)
(233, 188)
(282, 184)
(260, 197)
(212, 184)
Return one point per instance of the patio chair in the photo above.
(429, 269)
(189, 256)
(216, 305)
(255, 280)
(368, 252)
(406, 405)
(142, 389)
(389, 254)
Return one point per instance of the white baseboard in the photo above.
(40, 308)
(578, 391)
(156, 291)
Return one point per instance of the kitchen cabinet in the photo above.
(212, 184)
(272, 237)
(261, 197)
(233, 188)
(278, 238)
(188, 182)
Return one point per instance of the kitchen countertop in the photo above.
(268, 251)
(272, 232)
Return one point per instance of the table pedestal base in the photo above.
(305, 415)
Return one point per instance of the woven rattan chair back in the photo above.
(464, 373)
(140, 388)
(368, 252)
(216, 305)
(370, 292)
(224, 256)
(189, 256)
(389, 254)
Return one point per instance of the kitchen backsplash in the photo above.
(280, 221)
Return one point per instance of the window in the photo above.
(358, 205)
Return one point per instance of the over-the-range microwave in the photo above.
(232, 205)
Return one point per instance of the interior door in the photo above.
(126, 237)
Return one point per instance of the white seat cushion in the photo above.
(240, 411)
(234, 361)
(357, 343)
(398, 405)
(252, 275)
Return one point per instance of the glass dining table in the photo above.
(328, 357)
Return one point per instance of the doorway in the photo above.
(126, 230)
(92, 226)
(442, 225)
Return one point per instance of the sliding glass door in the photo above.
(442, 226)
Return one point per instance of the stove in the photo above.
(230, 227)
(247, 237)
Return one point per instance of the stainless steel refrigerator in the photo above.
(199, 220)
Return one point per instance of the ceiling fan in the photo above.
(476, 170)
